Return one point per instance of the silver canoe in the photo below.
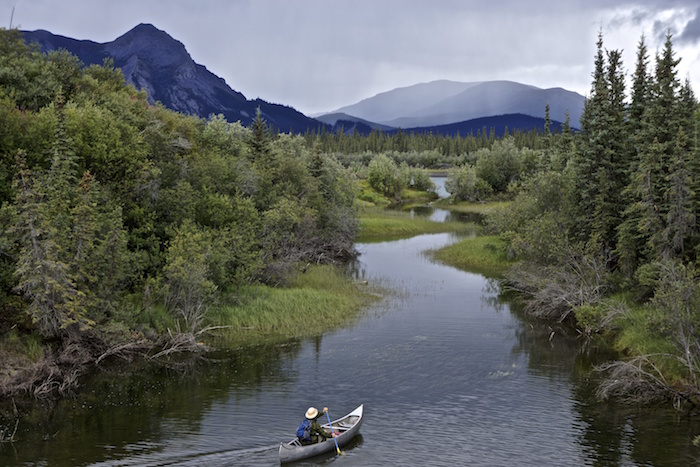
(348, 426)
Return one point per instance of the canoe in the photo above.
(348, 426)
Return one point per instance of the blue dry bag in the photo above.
(304, 430)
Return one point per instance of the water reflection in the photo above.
(443, 215)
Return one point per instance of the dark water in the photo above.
(450, 374)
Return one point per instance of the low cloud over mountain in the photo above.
(447, 102)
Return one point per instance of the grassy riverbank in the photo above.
(320, 299)
(369, 197)
(470, 207)
(483, 254)
(383, 223)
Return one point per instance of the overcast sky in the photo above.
(318, 55)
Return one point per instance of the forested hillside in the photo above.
(113, 209)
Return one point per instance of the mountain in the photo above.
(444, 102)
(348, 122)
(388, 106)
(476, 126)
(152, 60)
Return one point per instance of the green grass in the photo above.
(484, 254)
(413, 196)
(321, 299)
(367, 196)
(635, 336)
(635, 333)
(381, 223)
(467, 206)
(18, 349)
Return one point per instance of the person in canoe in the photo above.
(310, 431)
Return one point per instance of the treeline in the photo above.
(111, 206)
(429, 150)
(607, 225)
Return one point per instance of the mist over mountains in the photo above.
(446, 102)
(152, 60)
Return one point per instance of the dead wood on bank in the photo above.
(60, 371)
(554, 291)
(640, 381)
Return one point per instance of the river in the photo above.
(450, 372)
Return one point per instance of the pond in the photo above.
(450, 372)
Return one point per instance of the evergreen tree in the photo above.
(600, 166)
(98, 243)
(547, 123)
(630, 241)
(681, 220)
(640, 96)
(663, 117)
(650, 189)
(616, 164)
(564, 143)
(259, 137)
(659, 152)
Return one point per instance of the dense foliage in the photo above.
(110, 206)
(614, 210)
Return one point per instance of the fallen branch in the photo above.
(124, 350)
(180, 343)
(640, 381)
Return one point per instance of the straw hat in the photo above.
(312, 413)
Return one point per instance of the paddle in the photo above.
(330, 425)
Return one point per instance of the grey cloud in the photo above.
(691, 33)
(636, 17)
(316, 54)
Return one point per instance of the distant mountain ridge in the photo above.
(499, 124)
(347, 121)
(445, 102)
(152, 60)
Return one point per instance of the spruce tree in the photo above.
(681, 219)
(586, 160)
(259, 138)
(600, 166)
(658, 147)
(639, 99)
(630, 239)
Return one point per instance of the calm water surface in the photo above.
(450, 374)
